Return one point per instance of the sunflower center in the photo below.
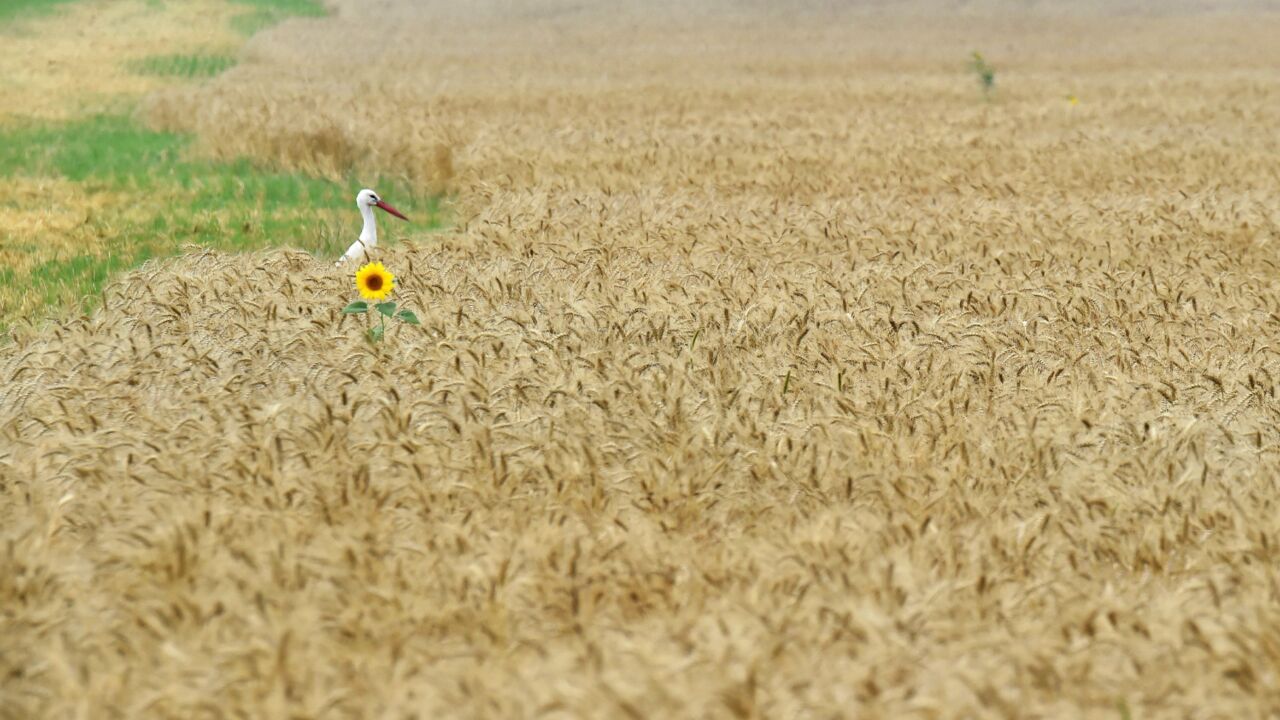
(373, 282)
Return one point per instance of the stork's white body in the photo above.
(359, 251)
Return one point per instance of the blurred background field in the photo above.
(774, 363)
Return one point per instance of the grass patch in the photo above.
(103, 147)
(182, 66)
(172, 200)
(265, 13)
(14, 9)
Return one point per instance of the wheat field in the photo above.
(769, 369)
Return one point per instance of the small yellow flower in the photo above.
(374, 281)
(1073, 99)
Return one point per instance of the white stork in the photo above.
(367, 200)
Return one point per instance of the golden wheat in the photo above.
(770, 372)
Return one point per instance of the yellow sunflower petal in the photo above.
(374, 281)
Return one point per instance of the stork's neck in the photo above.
(369, 233)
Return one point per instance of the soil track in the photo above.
(771, 371)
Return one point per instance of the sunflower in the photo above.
(374, 281)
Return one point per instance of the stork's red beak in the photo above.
(390, 209)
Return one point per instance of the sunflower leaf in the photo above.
(358, 307)
(386, 308)
(409, 317)
(375, 333)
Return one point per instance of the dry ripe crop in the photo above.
(768, 372)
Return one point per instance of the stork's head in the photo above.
(368, 198)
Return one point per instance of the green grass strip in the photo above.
(182, 66)
(265, 13)
(23, 9)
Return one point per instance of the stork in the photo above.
(367, 200)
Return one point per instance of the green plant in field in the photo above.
(986, 74)
(184, 66)
(375, 282)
